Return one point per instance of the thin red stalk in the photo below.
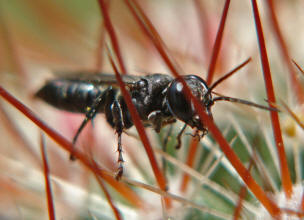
(194, 144)
(104, 188)
(259, 193)
(190, 161)
(161, 180)
(286, 181)
(293, 115)
(107, 194)
(296, 85)
(151, 32)
(123, 189)
(108, 24)
(232, 157)
(297, 65)
(46, 172)
(217, 43)
(229, 74)
(148, 28)
(242, 194)
(238, 209)
(204, 28)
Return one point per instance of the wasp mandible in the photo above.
(158, 98)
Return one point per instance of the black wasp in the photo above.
(158, 98)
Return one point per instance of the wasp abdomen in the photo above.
(70, 95)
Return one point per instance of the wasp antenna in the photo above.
(217, 82)
(244, 102)
(227, 75)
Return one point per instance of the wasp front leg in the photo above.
(159, 120)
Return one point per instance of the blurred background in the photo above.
(38, 39)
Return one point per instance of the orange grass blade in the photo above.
(108, 24)
(123, 189)
(217, 43)
(46, 172)
(295, 84)
(161, 180)
(286, 180)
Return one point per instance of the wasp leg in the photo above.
(120, 160)
(118, 126)
(159, 120)
(179, 137)
(205, 132)
(91, 113)
(156, 119)
(197, 135)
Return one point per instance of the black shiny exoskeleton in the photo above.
(158, 98)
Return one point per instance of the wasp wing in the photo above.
(98, 78)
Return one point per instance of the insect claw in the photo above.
(120, 158)
(197, 135)
(72, 157)
(205, 132)
(119, 172)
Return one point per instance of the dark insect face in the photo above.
(181, 107)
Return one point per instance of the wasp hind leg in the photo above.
(118, 125)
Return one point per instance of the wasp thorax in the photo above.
(180, 105)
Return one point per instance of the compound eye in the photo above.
(178, 104)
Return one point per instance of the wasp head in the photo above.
(181, 106)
